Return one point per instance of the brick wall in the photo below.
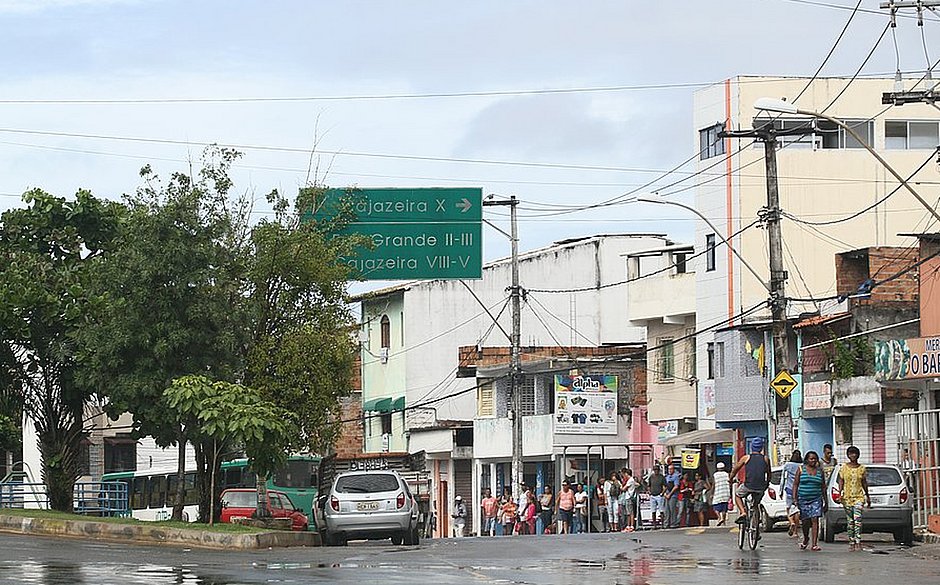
(879, 263)
(349, 442)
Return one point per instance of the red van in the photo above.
(242, 503)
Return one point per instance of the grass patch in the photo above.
(223, 528)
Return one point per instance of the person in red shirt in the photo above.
(490, 507)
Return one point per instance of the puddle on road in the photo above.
(57, 573)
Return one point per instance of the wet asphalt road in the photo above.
(642, 559)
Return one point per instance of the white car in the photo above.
(773, 506)
(369, 505)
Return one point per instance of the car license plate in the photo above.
(367, 506)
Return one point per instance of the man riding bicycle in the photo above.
(756, 477)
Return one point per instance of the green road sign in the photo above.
(416, 233)
(408, 205)
(419, 251)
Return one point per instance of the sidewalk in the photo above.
(142, 533)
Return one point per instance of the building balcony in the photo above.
(669, 297)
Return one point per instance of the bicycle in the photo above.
(750, 530)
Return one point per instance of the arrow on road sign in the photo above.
(783, 384)
(464, 205)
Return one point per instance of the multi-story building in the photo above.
(661, 298)
(412, 396)
(834, 194)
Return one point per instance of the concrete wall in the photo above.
(671, 399)
(741, 394)
(930, 288)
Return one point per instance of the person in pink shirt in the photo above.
(565, 504)
(490, 507)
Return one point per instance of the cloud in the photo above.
(540, 126)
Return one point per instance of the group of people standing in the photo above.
(685, 499)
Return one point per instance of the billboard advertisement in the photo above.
(586, 405)
(907, 359)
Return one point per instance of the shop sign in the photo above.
(666, 429)
(817, 396)
(690, 458)
(725, 450)
(907, 359)
(586, 405)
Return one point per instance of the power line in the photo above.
(831, 51)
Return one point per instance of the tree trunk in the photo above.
(215, 465)
(202, 485)
(180, 480)
(262, 509)
(59, 432)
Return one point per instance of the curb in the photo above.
(144, 534)
(927, 537)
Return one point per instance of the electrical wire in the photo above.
(829, 55)
(868, 208)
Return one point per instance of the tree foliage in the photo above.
(45, 250)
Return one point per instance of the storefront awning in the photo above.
(701, 436)
(377, 405)
(398, 404)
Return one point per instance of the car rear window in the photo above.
(240, 499)
(882, 476)
(775, 476)
(367, 483)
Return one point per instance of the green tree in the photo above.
(45, 249)
(224, 414)
(301, 347)
(167, 292)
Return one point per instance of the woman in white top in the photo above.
(722, 493)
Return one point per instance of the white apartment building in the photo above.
(824, 176)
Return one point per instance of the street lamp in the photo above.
(782, 107)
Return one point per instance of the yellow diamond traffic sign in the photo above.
(783, 384)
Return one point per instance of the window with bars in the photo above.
(528, 396)
(386, 327)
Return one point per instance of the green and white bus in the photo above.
(151, 493)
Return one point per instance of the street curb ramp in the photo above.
(144, 534)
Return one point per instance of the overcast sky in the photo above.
(137, 49)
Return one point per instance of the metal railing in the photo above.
(93, 498)
(919, 456)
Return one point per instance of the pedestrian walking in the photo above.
(547, 505)
(490, 508)
(602, 504)
(580, 509)
(853, 485)
(809, 487)
(565, 508)
(722, 493)
(460, 517)
(828, 461)
(673, 478)
(790, 470)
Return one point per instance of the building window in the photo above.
(679, 261)
(692, 352)
(485, 402)
(710, 253)
(908, 135)
(386, 419)
(709, 143)
(386, 332)
(821, 134)
(666, 368)
(710, 357)
(528, 396)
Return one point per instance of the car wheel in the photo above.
(397, 539)
(826, 532)
(766, 520)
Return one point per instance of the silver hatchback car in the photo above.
(890, 505)
(369, 505)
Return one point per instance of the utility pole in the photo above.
(778, 275)
(515, 355)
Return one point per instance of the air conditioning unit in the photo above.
(383, 355)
